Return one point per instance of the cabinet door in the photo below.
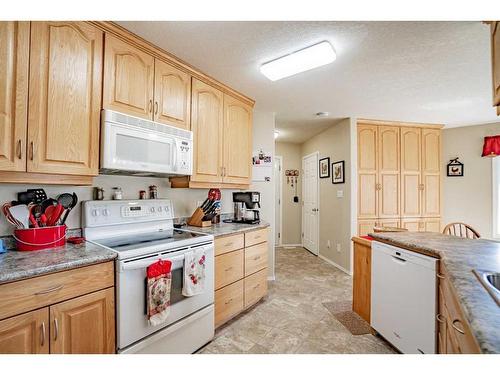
(84, 325)
(410, 171)
(413, 224)
(206, 124)
(14, 64)
(367, 172)
(495, 61)
(128, 79)
(431, 172)
(172, 96)
(388, 171)
(26, 333)
(366, 226)
(237, 141)
(64, 98)
(432, 225)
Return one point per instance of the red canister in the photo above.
(40, 238)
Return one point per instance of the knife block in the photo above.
(196, 219)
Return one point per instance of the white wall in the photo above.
(263, 138)
(468, 199)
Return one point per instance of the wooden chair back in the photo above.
(461, 230)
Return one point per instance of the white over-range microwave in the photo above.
(134, 146)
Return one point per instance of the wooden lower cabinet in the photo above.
(26, 333)
(240, 273)
(74, 312)
(84, 325)
(361, 288)
(454, 333)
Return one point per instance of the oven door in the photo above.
(132, 321)
(135, 149)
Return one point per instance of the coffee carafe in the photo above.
(246, 207)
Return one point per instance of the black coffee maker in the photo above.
(246, 205)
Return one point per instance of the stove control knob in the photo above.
(166, 209)
(95, 213)
(159, 209)
(105, 212)
(152, 209)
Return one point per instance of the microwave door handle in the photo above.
(146, 263)
(174, 161)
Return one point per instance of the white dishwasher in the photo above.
(403, 300)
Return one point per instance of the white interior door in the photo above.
(278, 161)
(310, 207)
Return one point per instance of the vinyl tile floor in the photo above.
(292, 319)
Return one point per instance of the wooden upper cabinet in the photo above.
(388, 171)
(64, 98)
(237, 141)
(367, 171)
(84, 325)
(26, 333)
(495, 60)
(410, 171)
(206, 124)
(431, 172)
(14, 65)
(128, 79)
(172, 94)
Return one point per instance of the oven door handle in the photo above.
(146, 263)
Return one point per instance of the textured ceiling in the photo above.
(435, 72)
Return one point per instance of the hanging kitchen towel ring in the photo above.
(159, 281)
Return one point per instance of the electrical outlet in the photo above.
(338, 248)
(328, 244)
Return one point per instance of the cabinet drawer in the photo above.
(228, 268)
(255, 237)
(20, 296)
(255, 287)
(230, 243)
(255, 258)
(228, 302)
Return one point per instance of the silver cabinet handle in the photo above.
(440, 276)
(42, 336)
(50, 290)
(156, 108)
(461, 331)
(56, 329)
(228, 301)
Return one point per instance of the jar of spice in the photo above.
(117, 193)
(153, 192)
(142, 194)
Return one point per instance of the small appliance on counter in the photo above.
(246, 205)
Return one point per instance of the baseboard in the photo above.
(335, 264)
(290, 245)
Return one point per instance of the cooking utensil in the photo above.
(53, 214)
(39, 195)
(8, 216)
(69, 208)
(47, 203)
(204, 203)
(21, 214)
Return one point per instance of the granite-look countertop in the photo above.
(460, 257)
(17, 265)
(226, 229)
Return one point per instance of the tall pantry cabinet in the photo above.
(399, 176)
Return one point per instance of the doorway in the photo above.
(310, 203)
(278, 221)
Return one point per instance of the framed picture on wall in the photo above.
(454, 168)
(338, 176)
(324, 168)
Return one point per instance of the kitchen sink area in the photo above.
(491, 281)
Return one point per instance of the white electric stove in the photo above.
(142, 232)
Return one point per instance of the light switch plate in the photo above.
(340, 193)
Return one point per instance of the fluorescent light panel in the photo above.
(306, 59)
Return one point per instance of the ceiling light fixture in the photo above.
(276, 134)
(322, 114)
(305, 59)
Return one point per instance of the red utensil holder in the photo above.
(40, 238)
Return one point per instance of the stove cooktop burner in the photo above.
(160, 238)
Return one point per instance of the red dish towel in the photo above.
(158, 293)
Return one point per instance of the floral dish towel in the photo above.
(194, 272)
